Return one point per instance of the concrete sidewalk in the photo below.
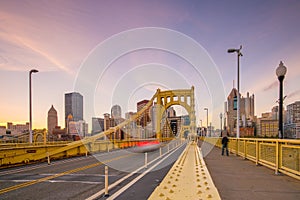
(236, 178)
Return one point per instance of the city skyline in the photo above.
(57, 38)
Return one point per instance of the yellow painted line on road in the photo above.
(15, 187)
(187, 179)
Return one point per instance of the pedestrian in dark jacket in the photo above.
(225, 141)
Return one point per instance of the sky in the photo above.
(150, 45)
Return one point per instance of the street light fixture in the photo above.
(280, 72)
(201, 127)
(206, 119)
(30, 105)
(239, 54)
(221, 115)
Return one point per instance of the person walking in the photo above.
(225, 141)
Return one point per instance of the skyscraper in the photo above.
(73, 106)
(293, 112)
(292, 126)
(97, 125)
(246, 112)
(116, 112)
(52, 119)
(145, 117)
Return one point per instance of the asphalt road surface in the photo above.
(82, 177)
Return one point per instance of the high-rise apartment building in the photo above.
(293, 112)
(15, 129)
(97, 125)
(154, 112)
(247, 117)
(116, 112)
(129, 115)
(110, 123)
(107, 121)
(174, 122)
(73, 106)
(145, 117)
(267, 125)
(131, 128)
(2, 130)
(292, 126)
(52, 119)
(78, 129)
(171, 112)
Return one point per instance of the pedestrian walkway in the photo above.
(187, 179)
(237, 178)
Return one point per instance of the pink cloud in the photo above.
(293, 94)
(271, 86)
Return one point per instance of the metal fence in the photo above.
(283, 156)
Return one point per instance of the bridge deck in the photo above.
(237, 178)
(187, 179)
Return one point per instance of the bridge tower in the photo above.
(166, 99)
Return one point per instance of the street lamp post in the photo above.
(30, 105)
(221, 124)
(224, 118)
(206, 119)
(201, 127)
(239, 54)
(280, 72)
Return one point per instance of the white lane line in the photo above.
(115, 195)
(132, 173)
(54, 181)
(84, 182)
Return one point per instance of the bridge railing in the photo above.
(281, 155)
(18, 153)
(24, 144)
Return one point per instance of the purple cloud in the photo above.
(295, 93)
(271, 86)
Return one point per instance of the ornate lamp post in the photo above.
(280, 72)
(30, 105)
(239, 54)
